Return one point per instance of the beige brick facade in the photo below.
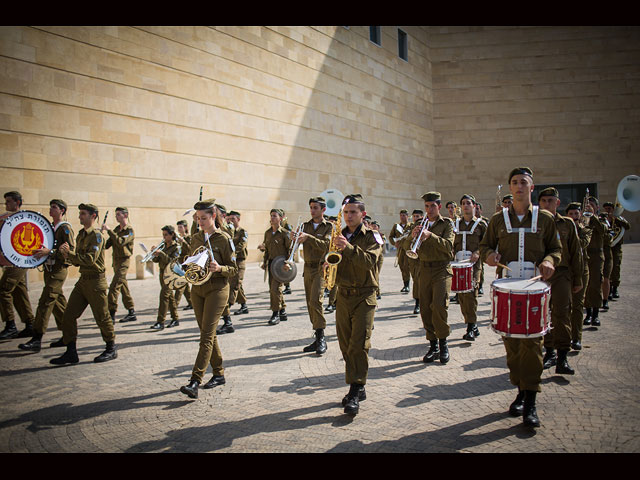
(266, 117)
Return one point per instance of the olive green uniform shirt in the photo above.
(316, 245)
(89, 251)
(121, 240)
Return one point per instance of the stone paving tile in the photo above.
(278, 399)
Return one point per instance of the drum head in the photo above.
(462, 264)
(21, 234)
(519, 285)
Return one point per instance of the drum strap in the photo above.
(464, 234)
(521, 236)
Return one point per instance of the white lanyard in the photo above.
(465, 233)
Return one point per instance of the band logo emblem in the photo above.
(26, 238)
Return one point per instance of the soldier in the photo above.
(375, 226)
(452, 209)
(276, 243)
(532, 244)
(356, 298)
(210, 298)
(52, 299)
(240, 241)
(315, 238)
(435, 252)
(595, 251)
(507, 201)
(577, 299)
(121, 239)
(13, 285)
(565, 282)
(399, 231)
(333, 293)
(91, 289)
(469, 230)
(163, 257)
(486, 220)
(223, 224)
(414, 264)
(619, 225)
(185, 239)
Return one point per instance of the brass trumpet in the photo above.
(415, 245)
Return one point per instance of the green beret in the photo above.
(573, 206)
(321, 200)
(233, 212)
(89, 207)
(521, 171)
(169, 228)
(507, 197)
(431, 196)
(353, 198)
(417, 212)
(182, 222)
(549, 192)
(123, 210)
(221, 208)
(60, 203)
(205, 204)
(468, 196)
(404, 210)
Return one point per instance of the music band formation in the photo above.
(549, 269)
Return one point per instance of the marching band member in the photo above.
(163, 257)
(356, 299)
(13, 285)
(91, 289)
(533, 243)
(121, 239)
(469, 230)
(52, 299)
(276, 243)
(414, 264)
(185, 238)
(595, 250)
(374, 225)
(565, 282)
(240, 241)
(212, 297)
(616, 250)
(435, 253)
(399, 230)
(486, 220)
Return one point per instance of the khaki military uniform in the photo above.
(434, 256)
(595, 251)
(568, 274)
(398, 231)
(52, 299)
(15, 293)
(209, 301)
(480, 286)
(315, 247)
(413, 264)
(577, 299)
(524, 355)
(240, 242)
(91, 289)
(186, 288)
(356, 301)
(469, 301)
(167, 298)
(276, 244)
(616, 251)
(122, 242)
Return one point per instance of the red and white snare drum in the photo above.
(520, 308)
(462, 281)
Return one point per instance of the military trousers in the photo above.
(593, 294)
(52, 300)
(333, 295)
(559, 337)
(276, 297)
(167, 302)
(435, 286)
(314, 291)
(119, 285)
(616, 253)
(469, 300)
(524, 360)
(236, 290)
(403, 264)
(183, 290)
(209, 301)
(355, 309)
(414, 271)
(607, 267)
(577, 308)
(14, 293)
(90, 290)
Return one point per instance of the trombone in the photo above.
(415, 245)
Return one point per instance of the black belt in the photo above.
(355, 291)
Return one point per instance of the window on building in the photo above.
(403, 47)
(569, 192)
(375, 35)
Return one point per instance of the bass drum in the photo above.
(23, 232)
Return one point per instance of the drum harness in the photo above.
(524, 268)
(465, 254)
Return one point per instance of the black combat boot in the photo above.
(416, 309)
(362, 394)
(433, 353)
(215, 381)
(405, 288)
(32, 345)
(157, 326)
(243, 309)
(576, 345)
(562, 367)
(352, 404)
(110, 353)
(287, 289)
(283, 315)
(226, 327)
(191, 389)
(57, 343)
(605, 305)
(471, 334)
(614, 293)
(587, 319)
(275, 318)
(444, 350)
(319, 345)
(515, 409)
(173, 323)
(69, 356)
(595, 321)
(549, 359)
(10, 331)
(476, 332)
(529, 413)
(129, 317)
(26, 332)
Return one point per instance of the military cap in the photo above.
(182, 222)
(367, 218)
(353, 198)
(508, 196)
(521, 171)
(431, 196)
(279, 211)
(404, 210)
(89, 207)
(451, 202)
(60, 203)
(468, 196)
(205, 204)
(375, 222)
(573, 206)
(321, 200)
(549, 192)
(332, 218)
(222, 208)
(123, 210)
(417, 211)
(608, 204)
(233, 212)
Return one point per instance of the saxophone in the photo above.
(333, 256)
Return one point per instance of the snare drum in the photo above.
(462, 281)
(520, 308)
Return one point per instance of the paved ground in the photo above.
(278, 399)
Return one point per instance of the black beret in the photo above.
(549, 192)
(573, 206)
(431, 196)
(468, 196)
(89, 207)
(520, 171)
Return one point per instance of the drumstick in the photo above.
(503, 266)
(535, 278)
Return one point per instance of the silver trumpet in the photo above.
(149, 254)
(413, 253)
